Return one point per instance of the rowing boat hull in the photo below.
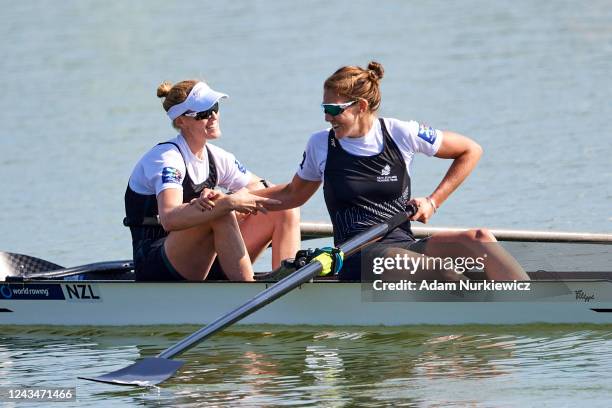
(69, 303)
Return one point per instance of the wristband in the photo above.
(433, 204)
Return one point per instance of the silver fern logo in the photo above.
(385, 175)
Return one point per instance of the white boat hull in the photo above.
(69, 303)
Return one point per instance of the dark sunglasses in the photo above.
(204, 114)
(334, 109)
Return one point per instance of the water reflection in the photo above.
(255, 366)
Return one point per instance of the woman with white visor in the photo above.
(165, 183)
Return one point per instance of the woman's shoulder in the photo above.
(220, 153)
(319, 138)
(159, 158)
(215, 150)
(403, 127)
(162, 152)
(225, 160)
(415, 136)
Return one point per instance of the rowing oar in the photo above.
(154, 370)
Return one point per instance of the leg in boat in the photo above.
(418, 266)
(499, 264)
(282, 228)
(193, 250)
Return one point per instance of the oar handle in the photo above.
(285, 285)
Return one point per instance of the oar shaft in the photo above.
(263, 298)
(280, 288)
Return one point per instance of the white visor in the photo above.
(202, 97)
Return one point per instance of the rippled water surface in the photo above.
(329, 366)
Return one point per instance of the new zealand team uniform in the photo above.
(366, 180)
(172, 165)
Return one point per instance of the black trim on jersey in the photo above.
(210, 182)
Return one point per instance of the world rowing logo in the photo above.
(6, 292)
(31, 292)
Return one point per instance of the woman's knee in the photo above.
(284, 217)
(480, 235)
(228, 220)
(291, 216)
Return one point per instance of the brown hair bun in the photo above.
(376, 70)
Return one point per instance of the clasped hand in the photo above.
(241, 201)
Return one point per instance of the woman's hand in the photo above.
(206, 200)
(246, 203)
(425, 209)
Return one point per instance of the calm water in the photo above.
(530, 81)
(327, 366)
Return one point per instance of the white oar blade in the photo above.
(144, 373)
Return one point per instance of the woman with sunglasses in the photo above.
(364, 163)
(165, 183)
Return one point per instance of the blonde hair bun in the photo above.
(164, 89)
